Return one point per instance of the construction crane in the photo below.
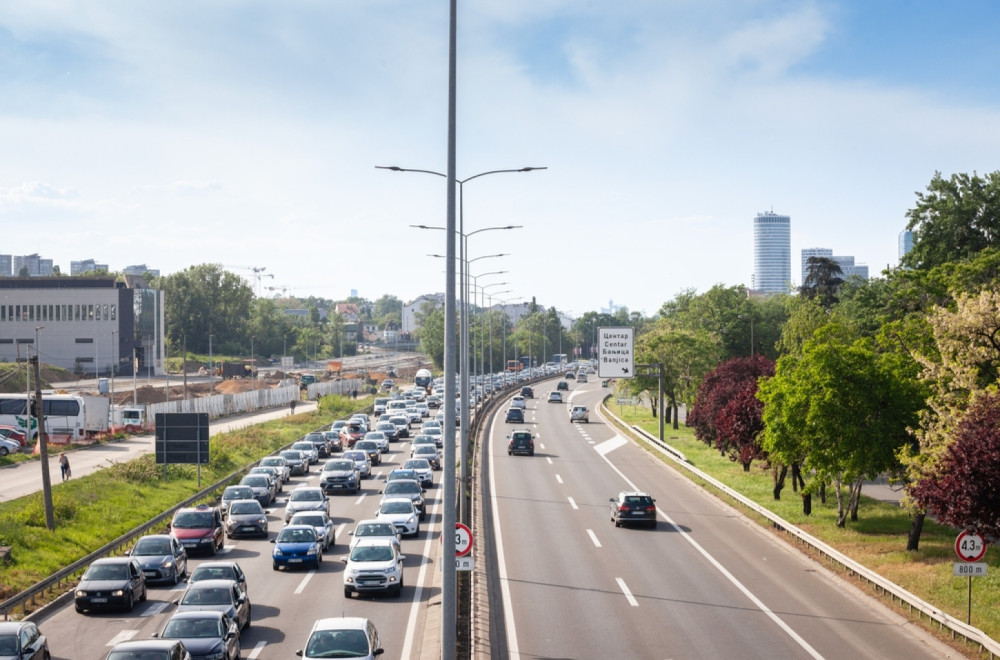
(257, 274)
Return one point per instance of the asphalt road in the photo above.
(706, 583)
(285, 604)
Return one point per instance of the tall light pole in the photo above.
(449, 588)
(503, 307)
(750, 317)
(114, 369)
(487, 314)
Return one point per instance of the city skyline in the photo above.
(250, 134)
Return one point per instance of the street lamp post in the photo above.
(482, 338)
(114, 369)
(750, 317)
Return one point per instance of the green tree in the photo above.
(207, 300)
(430, 332)
(954, 220)
(841, 409)
(823, 277)
(387, 308)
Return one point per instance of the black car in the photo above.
(527, 392)
(22, 640)
(111, 583)
(219, 596)
(514, 416)
(333, 437)
(563, 385)
(219, 570)
(297, 463)
(165, 649)
(521, 442)
(161, 557)
(205, 633)
(321, 443)
(631, 508)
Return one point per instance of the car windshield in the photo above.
(255, 481)
(397, 507)
(338, 466)
(315, 437)
(212, 573)
(312, 520)
(385, 426)
(366, 444)
(239, 508)
(273, 462)
(152, 546)
(375, 529)
(300, 535)
(432, 431)
(401, 487)
(232, 493)
(355, 455)
(417, 464)
(291, 456)
(306, 496)
(106, 572)
(337, 644)
(371, 553)
(139, 654)
(207, 596)
(303, 446)
(8, 645)
(430, 450)
(374, 435)
(193, 628)
(193, 519)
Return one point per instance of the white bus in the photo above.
(65, 420)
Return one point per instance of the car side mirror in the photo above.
(343, 560)
(274, 540)
(611, 499)
(402, 557)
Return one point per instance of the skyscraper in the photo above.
(772, 253)
(905, 243)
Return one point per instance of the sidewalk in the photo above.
(25, 478)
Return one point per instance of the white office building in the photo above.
(772, 253)
(92, 326)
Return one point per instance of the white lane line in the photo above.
(361, 498)
(541, 445)
(628, 594)
(123, 636)
(416, 604)
(722, 569)
(593, 537)
(508, 608)
(256, 650)
(549, 459)
(572, 503)
(337, 531)
(155, 609)
(559, 479)
(609, 446)
(303, 582)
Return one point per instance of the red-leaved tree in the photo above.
(739, 424)
(718, 389)
(964, 490)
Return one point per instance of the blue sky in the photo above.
(246, 134)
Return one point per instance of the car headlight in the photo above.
(167, 563)
(118, 593)
(276, 552)
(80, 594)
(313, 550)
(262, 520)
(411, 520)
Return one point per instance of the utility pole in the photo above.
(43, 450)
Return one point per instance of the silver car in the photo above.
(281, 464)
(308, 449)
(246, 518)
(306, 498)
(360, 458)
(422, 468)
(320, 522)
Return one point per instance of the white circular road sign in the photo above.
(970, 546)
(463, 540)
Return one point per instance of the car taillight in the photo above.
(651, 508)
(623, 507)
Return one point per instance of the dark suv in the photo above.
(514, 415)
(321, 443)
(521, 442)
(630, 508)
(527, 392)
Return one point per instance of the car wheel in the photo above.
(509, 452)
(249, 613)
(3, 451)
(129, 603)
(177, 576)
(347, 593)
(144, 595)
(274, 567)
(531, 453)
(652, 525)
(79, 609)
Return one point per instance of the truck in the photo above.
(423, 378)
(96, 413)
(234, 370)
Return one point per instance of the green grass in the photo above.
(93, 510)
(877, 540)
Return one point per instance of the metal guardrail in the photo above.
(56, 580)
(887, 587)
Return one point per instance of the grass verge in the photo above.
(877, 540)
(93, 510)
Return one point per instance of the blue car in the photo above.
(297, 545)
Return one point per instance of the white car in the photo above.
(374, 565)
(579, 414)
(8, 446)
(518, 402)
(401, 512)
(423, 469)
(372, 528)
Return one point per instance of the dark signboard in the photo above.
(181, 437)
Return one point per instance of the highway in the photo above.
(285, 604)
(706, 583)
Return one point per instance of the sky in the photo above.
(247, 133)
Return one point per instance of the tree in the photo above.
(430, 333)
(740, 425)
(686, 357)
(717, 393)
(957, 218)
(964, 489)
(387, 308)
(207, 300)
(841, 409)
(823, 277)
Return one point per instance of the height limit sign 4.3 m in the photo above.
(615, 352)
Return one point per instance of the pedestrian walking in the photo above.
(64, 467)
(292, 406)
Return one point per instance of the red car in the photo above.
(13, 434)
(351, 433)
(199, 528)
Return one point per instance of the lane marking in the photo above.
(628, 594)
(256, 650)
(361, 498)
(609, 446)
(123, 636)
(572, 503)
(559, 479)
(337, 531)
(722, 569)
(593, 537)
(508, 608)
(303, 582)
(155, 609)
(549, 459)
(416, 604)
